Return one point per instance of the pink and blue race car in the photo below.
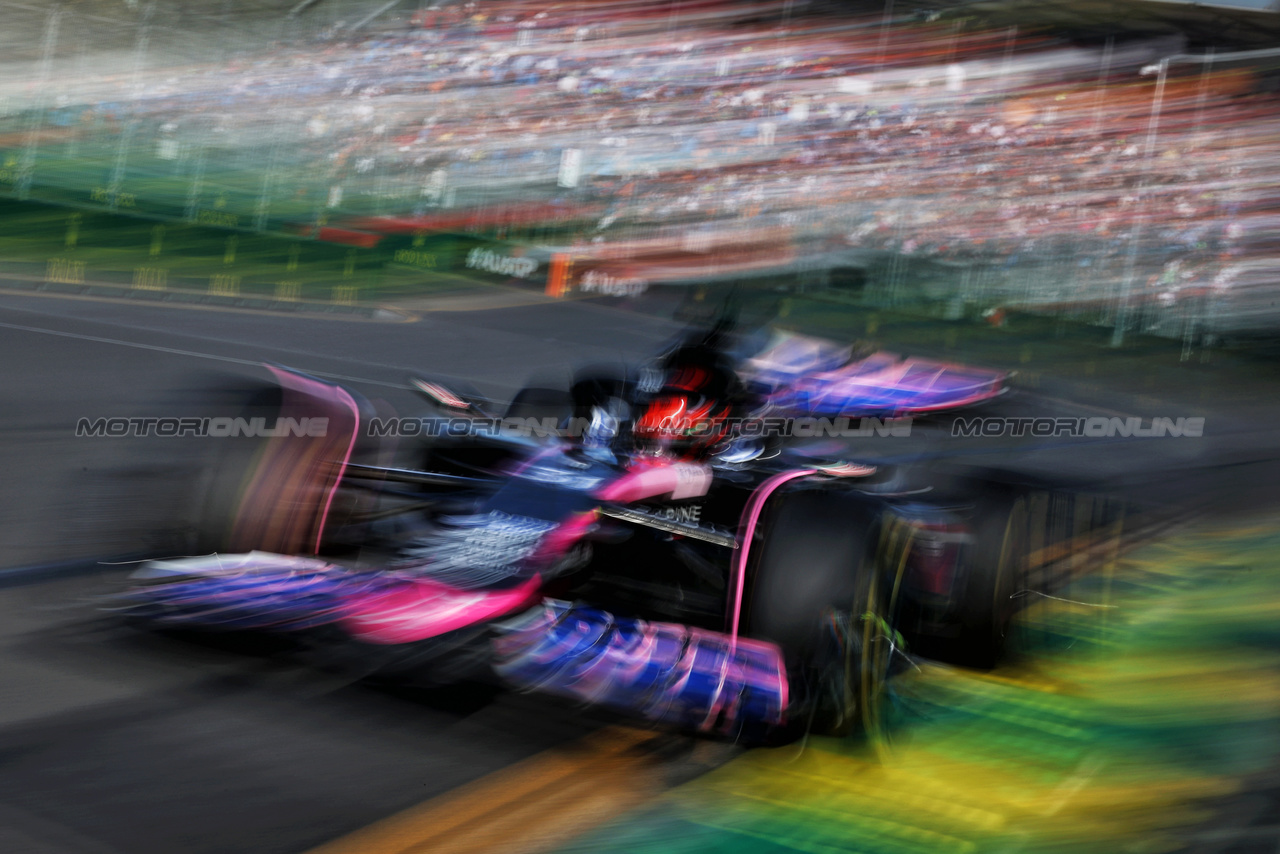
(637, 548)
(813, 376)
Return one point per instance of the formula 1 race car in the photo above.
(806, 375)
(627, 542)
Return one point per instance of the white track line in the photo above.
(177, 352)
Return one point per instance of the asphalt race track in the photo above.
(115, 741)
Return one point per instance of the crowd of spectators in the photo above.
(708, 118)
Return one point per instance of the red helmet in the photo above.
(693, 410)
(686, 423)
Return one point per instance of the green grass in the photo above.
(1161, 713)
(118, 248)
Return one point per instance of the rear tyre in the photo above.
(811, 589)
(995, 580)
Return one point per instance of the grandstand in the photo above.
(948, 158)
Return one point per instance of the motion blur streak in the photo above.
(907, 159)
(1149, 718)
(531, 806)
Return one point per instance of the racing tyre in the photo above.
(811, 590)
(280, 493)
(221, 488)
(995, 580)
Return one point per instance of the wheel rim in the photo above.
(879, 638)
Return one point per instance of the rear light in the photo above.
(934, 557)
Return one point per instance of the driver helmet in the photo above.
(685, 417)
